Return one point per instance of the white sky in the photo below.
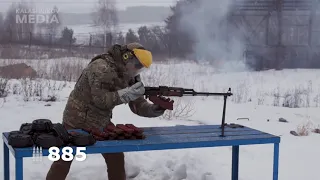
(83, 6)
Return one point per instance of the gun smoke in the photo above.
(214, 40)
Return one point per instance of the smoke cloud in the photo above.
(204, 21)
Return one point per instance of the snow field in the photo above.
(259, 96)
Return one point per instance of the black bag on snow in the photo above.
(19, 140)
(26, 128)
(42, 125)
(61, 132)
(48, 140)
(81, 139)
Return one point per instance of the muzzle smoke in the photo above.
(204, 21)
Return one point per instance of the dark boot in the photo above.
(116, 166)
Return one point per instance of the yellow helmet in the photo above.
(143, 56)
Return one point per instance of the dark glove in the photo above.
(157, 110)
(137, 78)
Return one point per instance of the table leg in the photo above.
(275, 161)
(6, 165)
(235, 163)
(19, 168)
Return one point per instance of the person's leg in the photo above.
(59, 169)
(116, 166)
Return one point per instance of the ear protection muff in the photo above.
(127, 55)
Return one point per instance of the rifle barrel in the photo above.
(208, 94)
(175, 91)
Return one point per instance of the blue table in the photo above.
(164, 138)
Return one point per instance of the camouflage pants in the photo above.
(115, 167)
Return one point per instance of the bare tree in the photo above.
(105, 17)
(1, 21)
(120, 38)
(55, 22)
(1, 27)
(17, 22)
(10, 21)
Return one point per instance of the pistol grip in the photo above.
(165, 103)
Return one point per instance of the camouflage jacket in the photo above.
(94, 96)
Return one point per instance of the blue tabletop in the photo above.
(172, 137)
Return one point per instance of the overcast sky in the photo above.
(82, 6)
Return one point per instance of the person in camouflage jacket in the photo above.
(109, 80)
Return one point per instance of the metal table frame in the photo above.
(165, 138)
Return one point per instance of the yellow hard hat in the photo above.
(144, 56)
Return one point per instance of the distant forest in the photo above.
(136, 14)
(193, 29)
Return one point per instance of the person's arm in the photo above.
(101, 80)
(143, 108)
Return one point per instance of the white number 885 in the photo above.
(67, 154)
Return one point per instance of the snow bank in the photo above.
(287, 88)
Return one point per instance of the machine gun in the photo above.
(156, 95)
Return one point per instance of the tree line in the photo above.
(161, 40)
(169, 41)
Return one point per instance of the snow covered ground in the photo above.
(259, 96)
